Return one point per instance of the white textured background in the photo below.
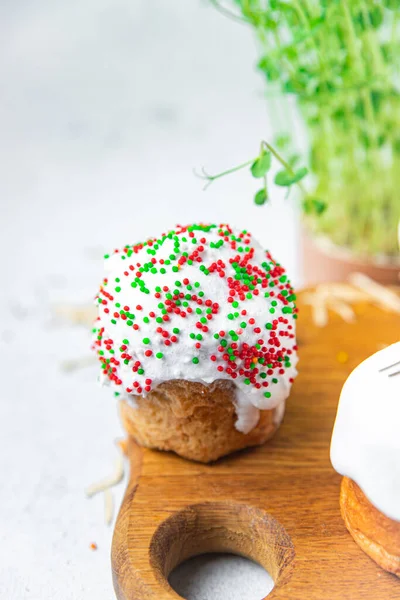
(105, 108)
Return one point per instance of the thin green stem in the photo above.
(210, 178)
(227, 13)
(284, 164)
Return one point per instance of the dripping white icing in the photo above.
(366, 437)
(263, 312)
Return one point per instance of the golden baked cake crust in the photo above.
(195, 420)
(375, 533)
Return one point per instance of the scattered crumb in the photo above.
(122, 444)
(342, 357)
(93, 546)
(342, 309)
(105, 486)
(383, 296)
(339, 298)
(77, 315)
(107, 482)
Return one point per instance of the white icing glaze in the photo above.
(177, 361)
(366, 438)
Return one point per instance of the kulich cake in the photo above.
(365, 449)
(196, 335)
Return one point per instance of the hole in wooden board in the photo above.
(217, 576)
(222, 527)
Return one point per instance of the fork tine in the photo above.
(393, 374)
(390, 366)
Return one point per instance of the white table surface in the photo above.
(105, 108)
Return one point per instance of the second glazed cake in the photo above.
(366, 451)
(196, 334)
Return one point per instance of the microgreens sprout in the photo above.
(259, 169)
(340, 61)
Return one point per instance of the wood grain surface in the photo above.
(277, 504)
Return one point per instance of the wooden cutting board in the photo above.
(277, 504)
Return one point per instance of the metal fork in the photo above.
(391, 374)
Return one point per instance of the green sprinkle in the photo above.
(175, 330)
(117, 289)
(146, 340)
(159, 355)
(125, 341)
(267, 394)
(195, 360)
(140, 371)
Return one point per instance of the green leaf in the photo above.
(392, 4)
(314, 206)
(282, 141)
(269, 67)
(261, 165)
(261, 197)
(293, 160)
(284, 178)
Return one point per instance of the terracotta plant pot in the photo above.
(323, 261)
